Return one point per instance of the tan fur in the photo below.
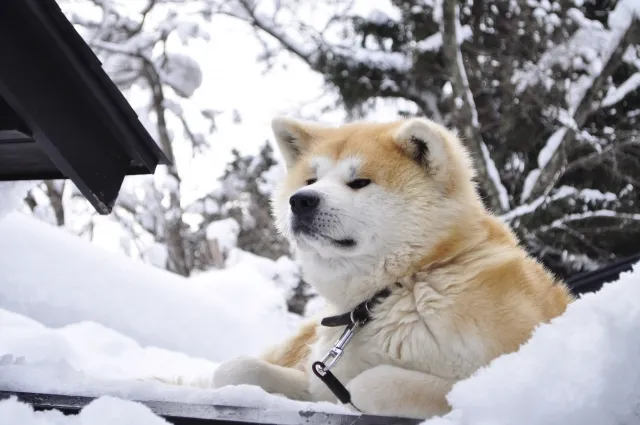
(469, 292)
(295, 351)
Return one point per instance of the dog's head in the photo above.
(366, 192)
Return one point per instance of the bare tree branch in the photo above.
(465, 112)
(596, 157)
(55, 198)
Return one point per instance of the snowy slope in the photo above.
(58, 279)
(75, 319)
(11, 194)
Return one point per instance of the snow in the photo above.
(580, 369)
(91, 360)
(90, 322)
(94, 323)
(544, 156)
(616, 94)
(563, 192)
(492, 171)
(76, 319)
(379, 17)
(284, 272)
(562, 222)
(591, 42)
(503, 196)
(225, 232)
(156, 254)
(623, 15)
(11, 195)
(102, 411)
(181, 72)
(528, 184)
(554, 141)
(154, 307)
(211, 206)
(592, 195)
(433, 43)
(396, 61)
(270, 179)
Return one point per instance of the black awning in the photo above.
(61, 116)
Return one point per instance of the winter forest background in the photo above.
(545, 94)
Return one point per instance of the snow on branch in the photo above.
(492, 170)
(311, 52)
(245, 10)
(433, 43)
(564, 192)
(606, 48)
(564, 221)
(616, 94)
(467, 115)
(373, 58)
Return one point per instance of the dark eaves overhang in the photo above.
(61, 116)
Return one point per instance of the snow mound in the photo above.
(225, 232)
(580, 369)
(91, 360)
(58, 279)
(11, 194)
(102, 411)
(75, 319)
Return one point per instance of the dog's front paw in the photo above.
(240, 371)
(369, 391)
(393, 391)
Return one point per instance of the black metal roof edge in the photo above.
(105, 92)
(191, 414)
(592, 281)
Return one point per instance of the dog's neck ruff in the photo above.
(361, 314)
(354, 319)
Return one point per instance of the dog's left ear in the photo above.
(294, 137)
(424, 142)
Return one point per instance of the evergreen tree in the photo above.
(544, 94)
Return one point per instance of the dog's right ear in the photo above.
(294, 137)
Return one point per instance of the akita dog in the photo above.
(430, 286)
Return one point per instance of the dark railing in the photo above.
(200, 414)
(592, 281)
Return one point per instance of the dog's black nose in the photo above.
(304, 203)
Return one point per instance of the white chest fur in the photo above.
(402, 335)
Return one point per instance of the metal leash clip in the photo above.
(337, 351)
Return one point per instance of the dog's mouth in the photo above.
(301, 229)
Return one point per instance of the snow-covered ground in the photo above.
(76, 319)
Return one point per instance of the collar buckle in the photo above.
(336, 352)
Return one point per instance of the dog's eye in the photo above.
(358, 183)
(311, 181)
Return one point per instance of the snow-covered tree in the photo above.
(544, 94)
(139, 46)
(243, 195)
